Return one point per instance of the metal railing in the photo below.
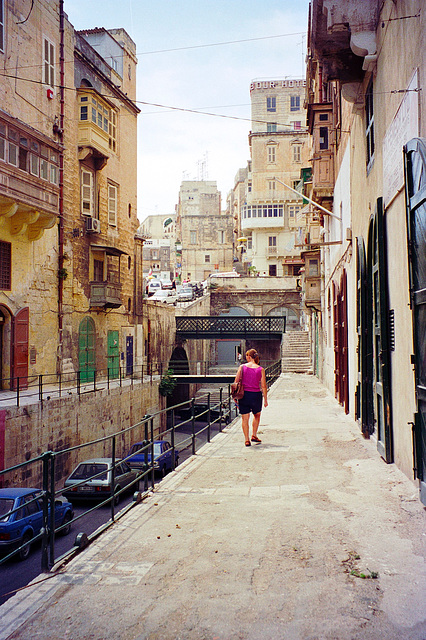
(217, 413)
(40, 387)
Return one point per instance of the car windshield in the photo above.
(88, 469)
(6, 505)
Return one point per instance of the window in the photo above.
(272, 269)
(313, 267)
(192, 237)
(249, 186)
(250, 243)
(49, 63)
(5, 265)
(271, 127)
(323, 117)
(20, 150)
(1, 26)
(271, 153)
(293, 210)
(87, 192)
(206, 258)
(297, 153)
(369, 124)
(271, 185)
(295, 103)
(272, 245)
(271, 104)
(323, 137)
(98, 270)
(112, 204)
(297, 125)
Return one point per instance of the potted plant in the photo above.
(167, 383)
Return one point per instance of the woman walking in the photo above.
(253, 378)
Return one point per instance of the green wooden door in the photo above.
(113, 354)
(86, 350)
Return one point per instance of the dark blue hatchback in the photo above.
(163, 456)
(23, 525)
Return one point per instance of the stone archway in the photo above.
(291, 314)
(227, 350)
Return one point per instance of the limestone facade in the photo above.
(279, 146)
(204, 230)
(366, 66)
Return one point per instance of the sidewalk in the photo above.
(252, 543)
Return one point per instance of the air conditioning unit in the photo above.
(92, 225)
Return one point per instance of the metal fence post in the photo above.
(145, 444)
(172, 438)
(113, 479)
(45, 503)
(220, 409)
(40, 387)
(193, 425)
(152, 452)
(78, 382)
(52, 511)
(17, 392)
(208, 417)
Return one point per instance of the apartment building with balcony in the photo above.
(30, 167)
(67, 194)
(279, 148)
(366, 67)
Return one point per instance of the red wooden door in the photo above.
(20, 336)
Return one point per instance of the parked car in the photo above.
(185, 294)
(152, 287)
(163, 456)
(82, 484)
(166, 284)
(164, 295)
(25, 524)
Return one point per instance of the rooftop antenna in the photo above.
(202, 165)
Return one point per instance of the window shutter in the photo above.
(87, 200)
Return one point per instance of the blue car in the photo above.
(163, 456)
(25, 524)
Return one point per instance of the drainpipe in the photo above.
(61, 188)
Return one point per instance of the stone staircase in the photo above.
(296, 352)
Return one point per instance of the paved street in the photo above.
(307, 536)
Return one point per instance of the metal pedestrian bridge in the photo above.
(231, 327)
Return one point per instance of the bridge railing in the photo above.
(244, 327)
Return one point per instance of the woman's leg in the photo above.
(255, 426)
(245, 425)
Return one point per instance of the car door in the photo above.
(166, 455)
(34, 512)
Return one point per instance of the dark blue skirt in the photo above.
(250, 402)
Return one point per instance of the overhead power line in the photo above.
(219, 44)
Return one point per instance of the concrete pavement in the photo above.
(308, 536)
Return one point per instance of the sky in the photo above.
(266, 39)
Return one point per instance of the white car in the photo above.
(164, 295)
(153, 287)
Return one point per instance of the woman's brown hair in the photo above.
(253, 354)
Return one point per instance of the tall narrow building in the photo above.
(279, 145)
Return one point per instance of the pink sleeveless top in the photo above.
(251, 378)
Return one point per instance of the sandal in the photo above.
(248, 443)
(256, 439)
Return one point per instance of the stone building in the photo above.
(279, 146)
(366, 67)
(204, 230)
(68, 253)
(30, 189)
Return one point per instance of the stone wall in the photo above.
(61, 423)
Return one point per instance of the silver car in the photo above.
(185, 294)
(92, 479)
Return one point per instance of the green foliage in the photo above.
(167, 383)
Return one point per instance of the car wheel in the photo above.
(67, 522)
(177, 462)
(25, 552)
(163, 471)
